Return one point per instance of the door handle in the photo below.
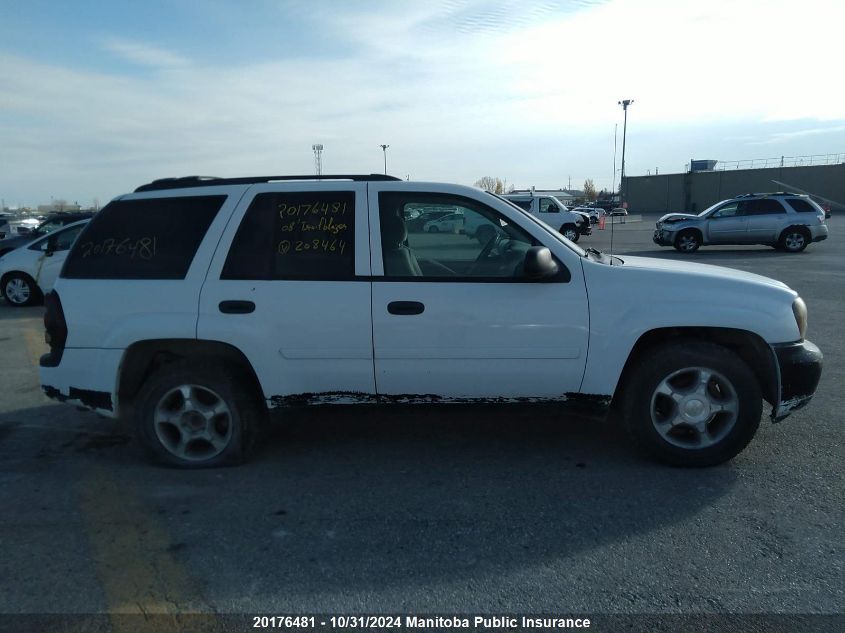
(237, 307)
(405, 307)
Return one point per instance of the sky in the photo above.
(98, 97)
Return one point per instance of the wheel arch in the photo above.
(750, 347)
(143, 358)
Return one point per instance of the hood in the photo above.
(701, 270)
(675, 217)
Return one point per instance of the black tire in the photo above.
(24, 283)
(246, 413)
(794, 239)
(433, 229)
(570, 232)
(688, 241)
(641, 404)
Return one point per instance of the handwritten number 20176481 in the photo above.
(316, 208)
(142, 247)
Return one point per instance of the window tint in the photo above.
(547, 205)
(764, 206)
(801, 205)
(481, 245)
(295, 235)
(151, 238)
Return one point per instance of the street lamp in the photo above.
(384, 149)
(624, 103)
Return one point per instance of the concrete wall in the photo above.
(693, 192)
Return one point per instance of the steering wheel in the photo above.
(485, 252)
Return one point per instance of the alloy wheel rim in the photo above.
(688, 242)
(794, 241)
(694, 408)
(569, 234)
(193, 423)
(17, 290)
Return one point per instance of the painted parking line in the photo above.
(135, 563)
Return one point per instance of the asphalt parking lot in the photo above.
(437, 510)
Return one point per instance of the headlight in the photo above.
(799, 309)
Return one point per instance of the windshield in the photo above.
(48, 227)
(549, 229)
(709, 209)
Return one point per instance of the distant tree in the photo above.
(590, 190)
(59, 204)
(493, 184)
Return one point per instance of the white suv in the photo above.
(195, 306)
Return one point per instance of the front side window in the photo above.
(479, 244)
(547, 205)
(64, 240)
(144, 238)
(295, 235)
(730, 210)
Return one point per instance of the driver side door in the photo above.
(454, 317)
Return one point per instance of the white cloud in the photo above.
(456, 93)
(144, 54)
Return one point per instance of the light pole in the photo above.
(384, 149)
(624, 103)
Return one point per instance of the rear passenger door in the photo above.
(289, 287)
(766, 217)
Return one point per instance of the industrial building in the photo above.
(702, 186)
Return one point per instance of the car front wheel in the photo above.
(433, 229)
(688, 241)
(570, 232)
(692, 404)
(19, 289)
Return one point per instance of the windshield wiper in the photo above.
(594, 251)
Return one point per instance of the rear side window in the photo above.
(152, 238)
(295, 235)
(764, 206)
(801, 205)
(522, 203)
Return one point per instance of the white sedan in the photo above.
(29, 272)
(452, 223)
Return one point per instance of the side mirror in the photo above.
(539, 263)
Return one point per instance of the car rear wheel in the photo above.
(692, 404)
(570, 232)
(20, 290)
(794, 239)
(197, 415)
(688, 241)
(433, 229)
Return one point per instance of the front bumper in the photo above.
(799, 368)
(585, 229)
(663, 237)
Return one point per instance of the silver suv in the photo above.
(787, 221)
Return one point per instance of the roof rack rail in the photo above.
(211, 181)
(768, 193)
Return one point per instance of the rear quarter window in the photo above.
(801, 205)
(151, 238)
